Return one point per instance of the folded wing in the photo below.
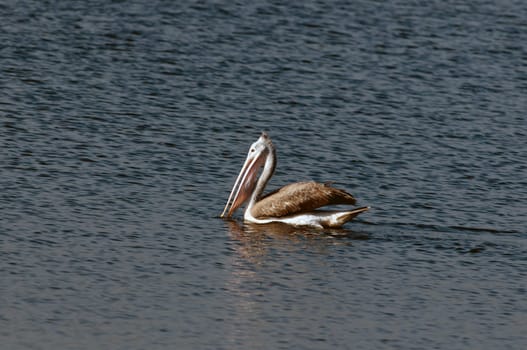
(299, 197)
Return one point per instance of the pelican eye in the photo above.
(252, 150)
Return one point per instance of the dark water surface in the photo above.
(124, 124)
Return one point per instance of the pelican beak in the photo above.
(246, 180)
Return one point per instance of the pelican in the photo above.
(295, 204)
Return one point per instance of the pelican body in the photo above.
(295, 204)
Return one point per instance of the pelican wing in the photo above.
(298, 198)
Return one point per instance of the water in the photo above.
(124, 124)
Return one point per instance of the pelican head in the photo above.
(247, 181)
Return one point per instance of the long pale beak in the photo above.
(245, 183)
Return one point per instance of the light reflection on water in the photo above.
(255, 240)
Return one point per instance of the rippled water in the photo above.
(124, 124)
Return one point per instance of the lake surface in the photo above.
(123, 126)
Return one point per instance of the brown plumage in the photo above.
(296, 204)
(299, 197)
